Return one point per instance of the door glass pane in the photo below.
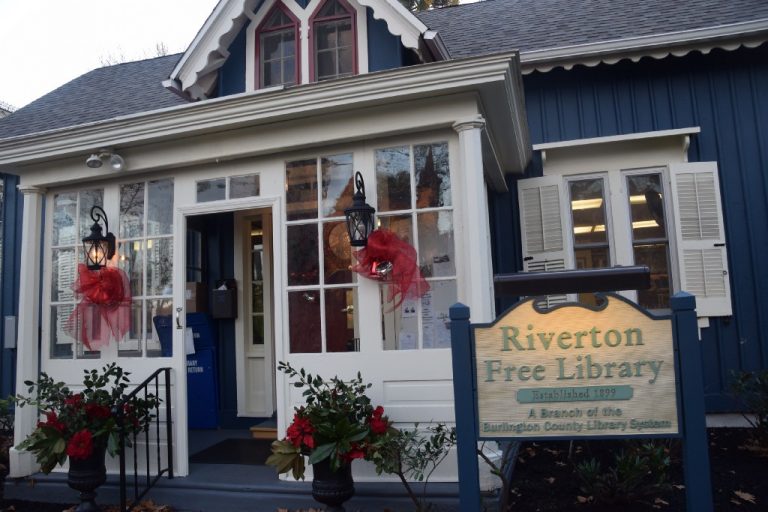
(337, 253)
(131, 261)
(160, 208)
(304, 312)
(89, 199)
(433, 179)
(646, 205)
(158, 344)
(63, 269)
(301, 189)
(401, 324)
(655, 257)
(338, 185)
(340, 333)
(303, 266)
(434, 314)
(436, 252)
(211, 190)
(64, 218)
(61, 341)
(132, 210)
(393, 179)
(159, 266)
(588, 211)
(258, 329)
(243, 186)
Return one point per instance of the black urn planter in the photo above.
(332, 488)
(85, 475)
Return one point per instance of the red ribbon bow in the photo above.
(405, 279)
(105, 307)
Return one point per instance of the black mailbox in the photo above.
(224, 299)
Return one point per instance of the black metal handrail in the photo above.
(140, 489)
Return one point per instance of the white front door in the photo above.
(255, 340)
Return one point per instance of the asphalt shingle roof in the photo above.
(493, 26)
(488, 26)
(103, 93)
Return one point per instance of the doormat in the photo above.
(235, 451)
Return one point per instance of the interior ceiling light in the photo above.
(96, 160)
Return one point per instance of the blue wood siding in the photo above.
(232, 73)
(9, 275)
(725, 94)
(384, 49)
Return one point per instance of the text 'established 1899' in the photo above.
(576, 371)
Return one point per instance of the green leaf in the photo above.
(321, 452)
(60, 446)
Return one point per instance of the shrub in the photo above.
(751, 389)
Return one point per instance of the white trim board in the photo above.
(617, 138)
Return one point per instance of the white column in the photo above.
(27, 345)
(476, 245)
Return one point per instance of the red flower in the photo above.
(378, 412)
(300, 432)
(51, 420)
(378, 422)
(74, 400)
(81, 445)
(97, 411)
(355, 452)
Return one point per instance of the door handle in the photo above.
(178, 318)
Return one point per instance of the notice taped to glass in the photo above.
(576, 371)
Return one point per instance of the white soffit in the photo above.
(730, 37)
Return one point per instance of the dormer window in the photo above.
(278, 43)
(333, 39)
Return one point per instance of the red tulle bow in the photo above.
(405, 279)
(104, 309)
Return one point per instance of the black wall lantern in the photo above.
(98, 248)
(359, 215)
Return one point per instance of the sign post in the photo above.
(577, 371)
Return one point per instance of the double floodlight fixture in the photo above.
(96, 160)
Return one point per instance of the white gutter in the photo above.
(728, 37)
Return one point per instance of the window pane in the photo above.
(278, 18)
(337, 253)
(243, 186)
(401, 225)
(436, 251)
(588, 211)
(270, 46)
(288, 44)
(434, 314)
(131, 261)
(211, 190)
(340, 332)
(89, 199)
(257, 325)
(303, 266)
(132, 210)
(159, 266)
(301, 189)
(64, 218)
(338, 184)
(61, 341)
(646, 206)
(304, 315)
(393, 178)
(326, 64)
(289, 71)
(258, 297)
(591, 257)
(433, 180)
(400, 325)
(63, 270)
(655, 257)
(344, 33)
(325, 35)
(160, 208)
(272, 75)
(345, 61)
(332, 8)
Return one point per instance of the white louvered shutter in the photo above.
(546, 246)
(701, 249)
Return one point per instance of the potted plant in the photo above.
(83, 426)
(337, 425)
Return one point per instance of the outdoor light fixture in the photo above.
(98, 248)
(96, 160)
(359, 215)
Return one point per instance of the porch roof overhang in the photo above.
(494, 80)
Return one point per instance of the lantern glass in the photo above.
(359, 216)
(97, 247)
(96, 253)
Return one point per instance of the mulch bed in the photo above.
(544, 480)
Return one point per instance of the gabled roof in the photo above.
(568, 32)
(103, 93)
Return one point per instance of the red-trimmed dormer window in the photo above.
(334, 41)
(278, 48)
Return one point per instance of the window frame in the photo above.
(315, 19)
(260, 30)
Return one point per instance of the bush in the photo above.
(636, 471)
(751, 389)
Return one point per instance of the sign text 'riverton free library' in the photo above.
(576, 371)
